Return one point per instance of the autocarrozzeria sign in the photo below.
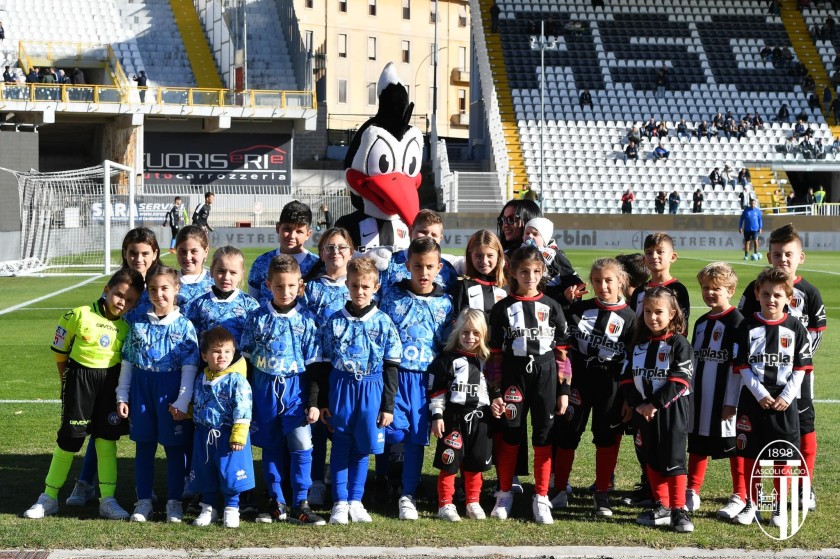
(205, 159)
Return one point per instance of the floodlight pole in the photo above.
(109, 213)
(434, 134)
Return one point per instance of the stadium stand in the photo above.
(269, 64)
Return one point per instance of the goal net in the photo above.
(66, 220)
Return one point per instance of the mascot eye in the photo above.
(412, 158)
(380, 159)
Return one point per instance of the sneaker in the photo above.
(408, 509)
(681, 522)
(516, 486)
(746, 257)
(174, 511)
(230, 518)
(601, 504)
(504, 503)
(44, 506)
(560, 501)
(340, 513)
(475, 512)
(142, 510)
(812, 501)
(449, 512)
(318, 493)
(304, 515)
(747, 515)
(110, 509)
(732, 507)
(541, 508)
(82, 494)
(358, 512)
(657, 516)
(692, 500)
(275, 512)
(639, 497)
(207, 516)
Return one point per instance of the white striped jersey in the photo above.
(713, 341)
(773, 355)
(658, 370)
(369, 232)
(599, 330)
(455, 377)
(528, 326)
(674, 285)
(479, 293)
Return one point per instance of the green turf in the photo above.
(28, 433)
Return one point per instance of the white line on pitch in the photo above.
(761, 264)
(30, 401)
(45, 297)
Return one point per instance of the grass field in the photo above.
(27, 435)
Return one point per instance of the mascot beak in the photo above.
(392, 193)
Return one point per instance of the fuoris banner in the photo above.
(205, 159)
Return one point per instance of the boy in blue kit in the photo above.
(422, 313)
(281, 341)
(362, 346)
(294, 229)
(222, 415)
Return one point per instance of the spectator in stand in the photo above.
(634, 136)
(757, 121)
(62, 78)
(777, 55)
(827, 97)
(662, 129)
(766, 53)
(718, 120)
(674, 202)
(660, 152)
(743, 198)
(829, 25)
(791, 201)
(714, 131)
(810, 199)
(806, 148)
(787, 56)
(631, 152)
(835, 108)
(727, 175)
(784, 114)
(650, 128)
(835, 146)
(142, 82)
(743, 128)
(819, 199)
(585, 98)
(683, 131)
(777, 200)
(661, 81)
(8, 77)
(495, 11)
(715, 177)
(78, 77)
(808, 84)
(799, 128)
(819, 149)
(813, 102)
(774, 8)
(34, 75)
(744, 177)
(659, 202)
(791, 146)
(730, 128)
(697, 202)
(627, 200)
(703, 130)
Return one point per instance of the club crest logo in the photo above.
(662, 356)
(105, 340)
(447, 456)
(574, 397)
(638, 439)
(510, 412)
(744, 424)
(716, 335)
(796, 301)
(542, 316)
(614, 327)
(114, 419)
(512, 394)
(454, 440)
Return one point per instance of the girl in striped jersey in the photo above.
(711, 424)
(601, 329)
(482, 285)
(655, 384)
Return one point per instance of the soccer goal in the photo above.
(67, 219)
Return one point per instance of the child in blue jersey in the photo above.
(140, 252)
(191, 249)
(281, 341)
(422, 313)
(362, 346)
(160, 360)
(222, 415)
(294, 229)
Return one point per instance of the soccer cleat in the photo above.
(475, 512)
(811, 503)
(174, 511)
(408, 508)
(207, 516)
(541, 507)
(82, 494)
(692, 500)
(516, 486)
(302, 514)
(318, 493)
(639, 497)
(340, 513)
(358, 512)
(44, 506)
(275, 512)
(657, 516)
(681, 522)
(449, 512)
(142, 510)
(601, 504)
(110, 509)
(732, 507)
(230, 517)
(746, 516)
(560, 501)
(504, 504)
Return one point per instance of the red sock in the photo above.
(472, 485)
(563, 460)
(446, 488)
(808, 447)
(676, 488)
(749, 466)
(606, 458)
(697, 465)
(736, 468)
(658, 486)
(542, 469)
(505, 463)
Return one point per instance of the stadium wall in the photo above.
(18, 150)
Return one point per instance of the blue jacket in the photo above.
(751, 220)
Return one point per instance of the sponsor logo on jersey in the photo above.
(786, 341)
(741, 441)
(714, 355)
(770, 359)
(510, 412)
(380, 437)
(574, 397)
(114, 419)
(531, 333)
(512, 394)
(60, 336)
(178, 429)
(105, 340)
(454, 440)
(598, 341)
(744, 424)
(447, 456)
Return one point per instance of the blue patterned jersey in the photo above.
(281, 344)
(141, 309)
(423, 321)
(259, 272)
(323, 296)
(398, 271)
(208, 311)
(162, 344)
(360, 345)
(190, 291)
(223, 398)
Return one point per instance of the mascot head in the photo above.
(383, 162)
